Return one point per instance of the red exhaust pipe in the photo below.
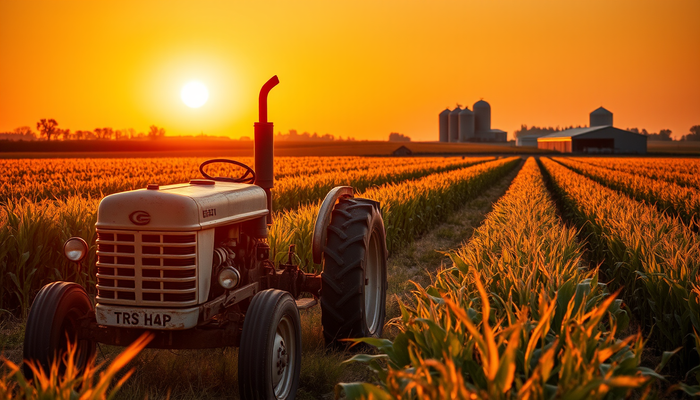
(264, 146)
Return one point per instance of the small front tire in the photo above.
(54, 319)
(269, 358)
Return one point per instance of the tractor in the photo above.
(191, 264)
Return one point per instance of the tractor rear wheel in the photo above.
(54, 320)
(353, 293)
(269, 358)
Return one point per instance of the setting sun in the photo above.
(194, 94)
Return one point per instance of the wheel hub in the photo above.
(280, 358)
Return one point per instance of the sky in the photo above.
(348, 68)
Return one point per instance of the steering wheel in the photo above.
(247, 177)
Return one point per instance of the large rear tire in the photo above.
(54, 319)
(353, 293)
(269, 359)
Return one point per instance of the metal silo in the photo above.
(444, 133)
(482, 117)
(453, 124)
(601, 117)
(466, 125)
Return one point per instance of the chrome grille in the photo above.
(147, 268)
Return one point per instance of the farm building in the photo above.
(527, 140)
(402, 151)
(465, 125)
(596, 139)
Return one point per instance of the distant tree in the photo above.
(47, 127)
(98, 133)
(78, 135)
(663, 135)
(694, 134)
(25, 133)
(65, 133)
(539, 131)
(155, 132)
(107, 133)
(398, 137)
(131, 133)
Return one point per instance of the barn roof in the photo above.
(571, 133)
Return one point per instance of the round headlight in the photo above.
(229, 278)
(75, 249)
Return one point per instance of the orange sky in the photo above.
(357, 68)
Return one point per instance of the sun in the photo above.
(194, 94)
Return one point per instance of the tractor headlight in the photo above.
(229, 278)
(75, 249)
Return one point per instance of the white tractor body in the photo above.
(155, 249)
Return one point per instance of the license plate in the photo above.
(128, 317)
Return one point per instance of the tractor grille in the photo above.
(147, 268)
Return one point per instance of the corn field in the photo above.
(683, 201)
(582, 282)
(518, 315)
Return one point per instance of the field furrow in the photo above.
(516, 316)
(654, 257)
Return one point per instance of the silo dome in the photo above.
(482, 116)
(453, 124)
(444, 133)
(601, 117)
(466, 125)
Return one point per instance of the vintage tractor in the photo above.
(190, 263)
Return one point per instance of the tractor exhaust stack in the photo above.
(264, 146)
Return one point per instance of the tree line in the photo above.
(48, 129)
(306, 136)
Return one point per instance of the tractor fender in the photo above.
(323, 219)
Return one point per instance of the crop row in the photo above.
(516, 316)
(32, 235)
(409, 208)
(292, 192)
(667, 196)
(683, 171)
(38, 179)
(656, 258)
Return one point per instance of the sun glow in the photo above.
(194, 94)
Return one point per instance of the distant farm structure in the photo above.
(465, 125)
(600, 137)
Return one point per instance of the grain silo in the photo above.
(453, 125)
(466, 125)
(601, 117)
(482, 117)
(444, 132)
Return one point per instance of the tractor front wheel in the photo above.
(269, 359)
(54, 321)
(354, 278)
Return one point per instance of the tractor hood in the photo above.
(190, 206)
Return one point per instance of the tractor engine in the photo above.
(176, 247)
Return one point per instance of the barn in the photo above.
(596, 139)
